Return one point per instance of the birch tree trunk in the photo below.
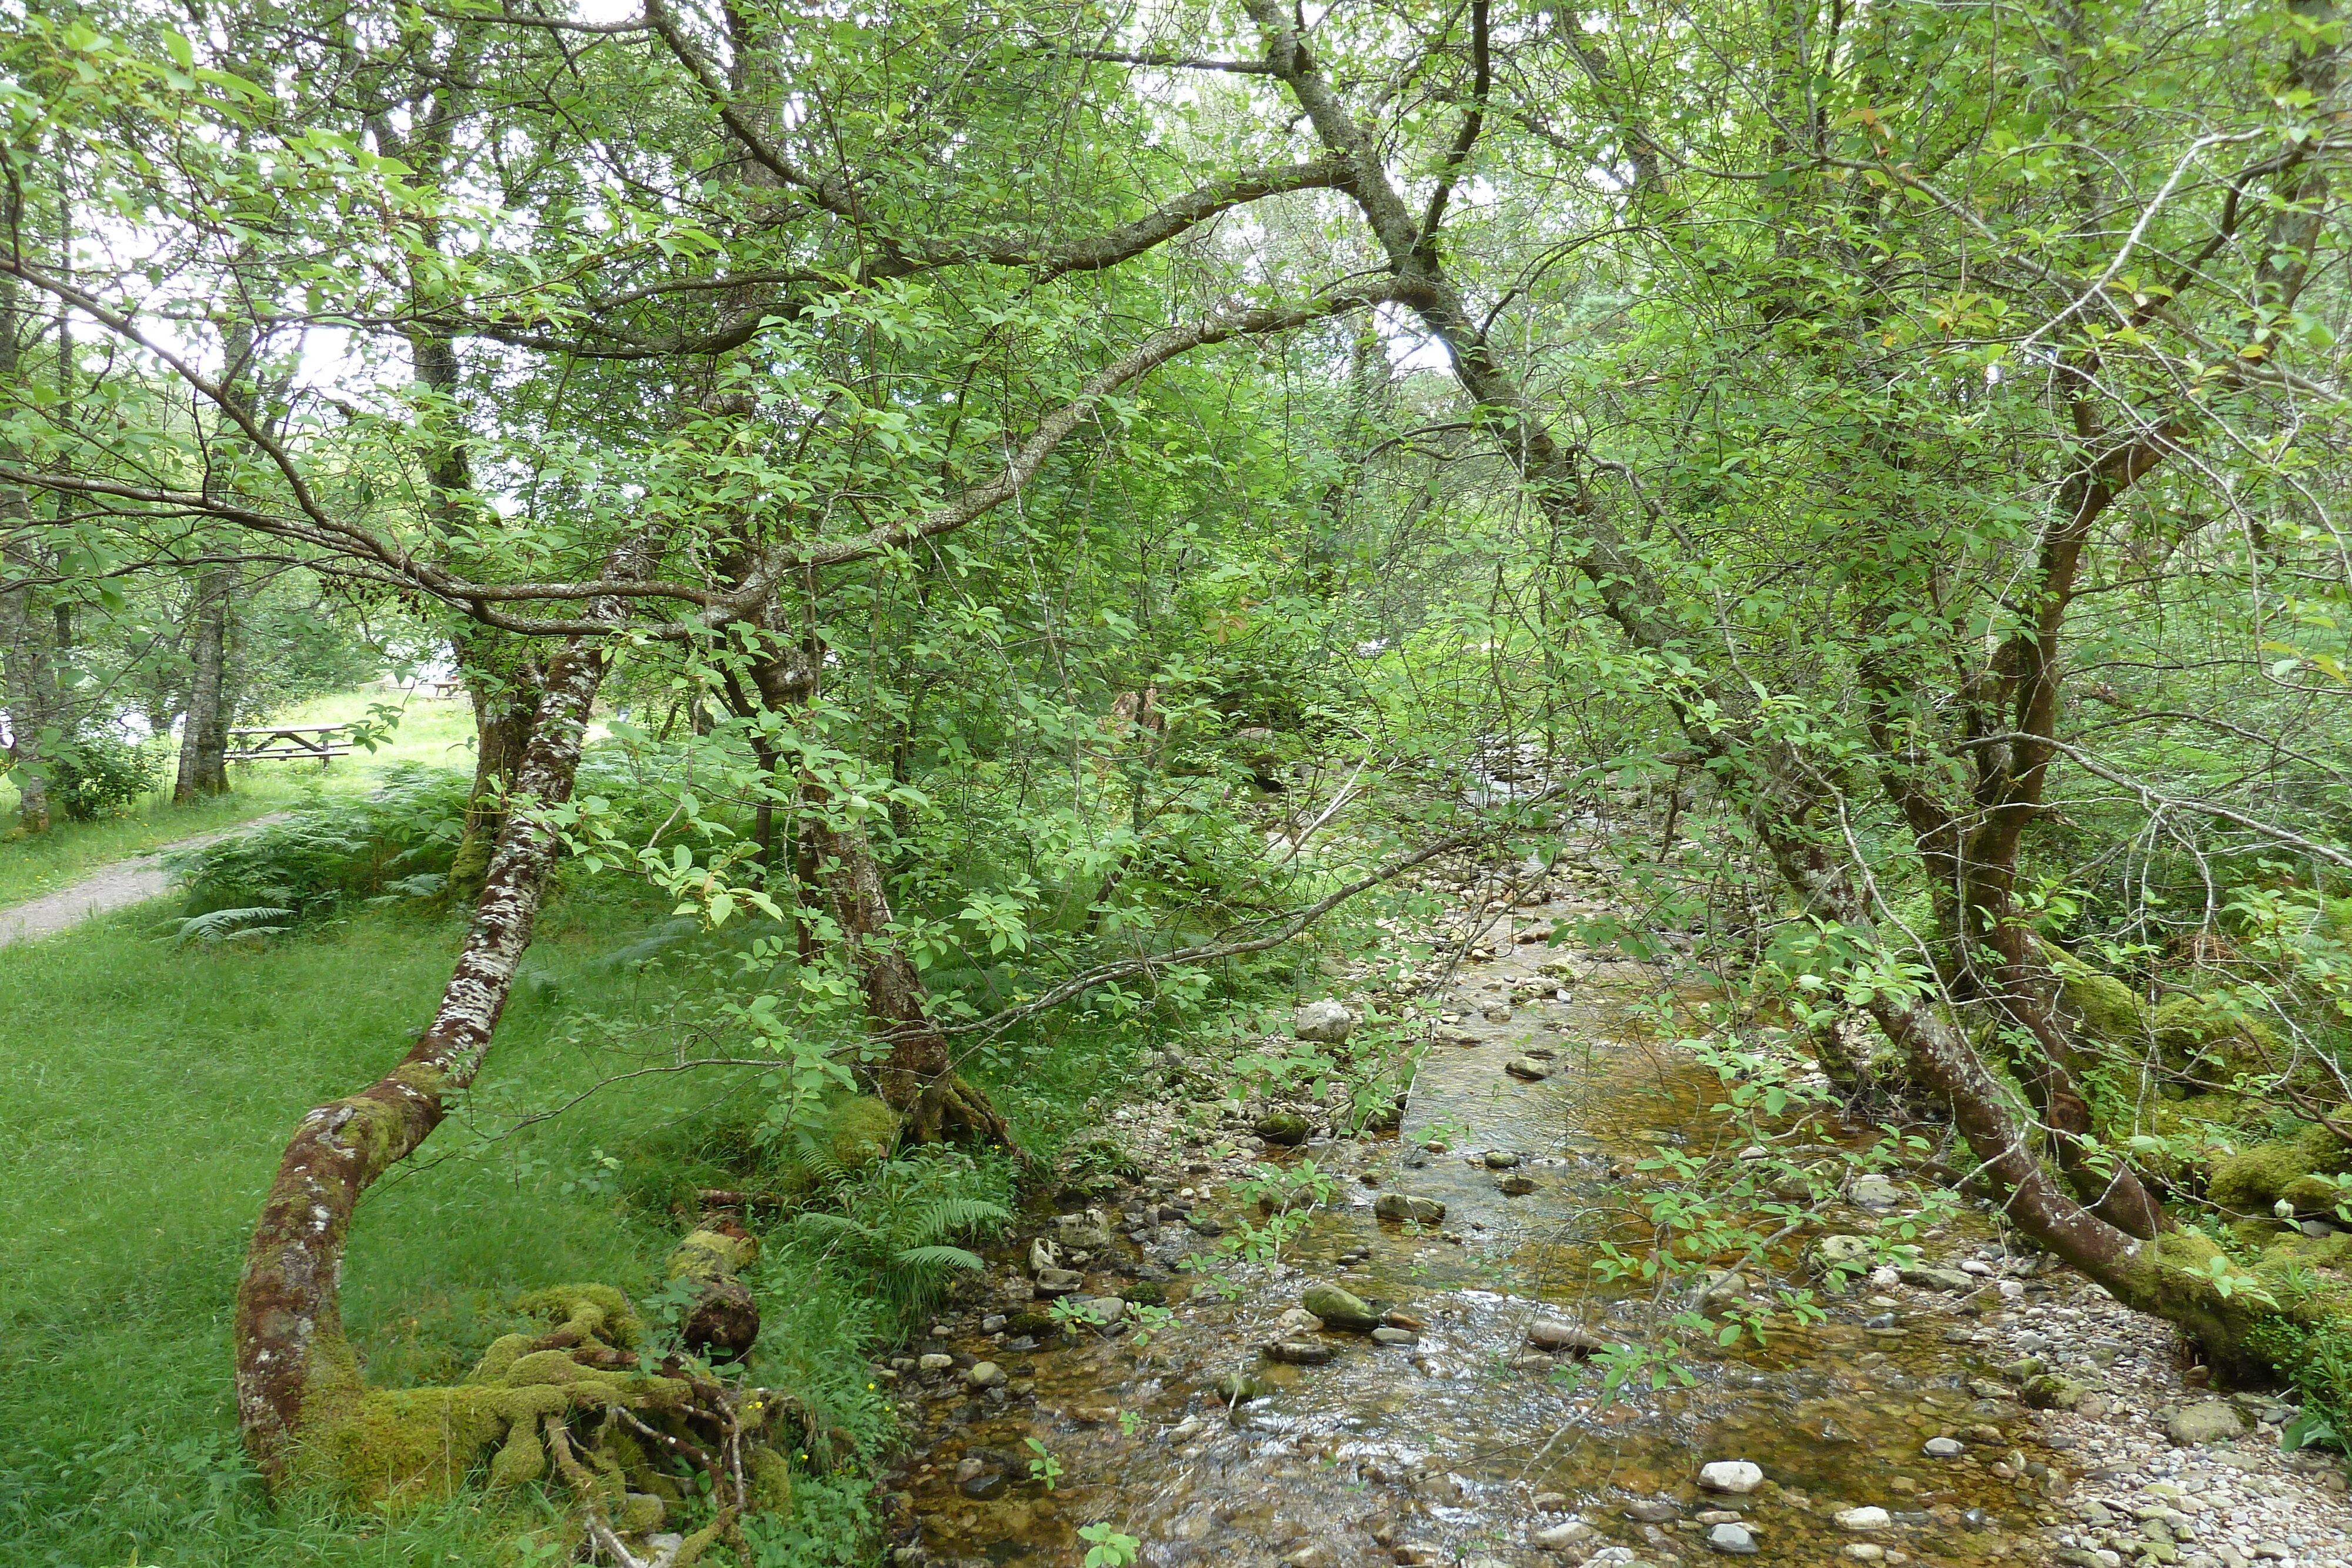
(293, 1364)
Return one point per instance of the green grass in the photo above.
(440, 733)
(145, 1094)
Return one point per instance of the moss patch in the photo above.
(2252, 1180)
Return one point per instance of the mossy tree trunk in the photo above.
(505, 677)
(292, 1362)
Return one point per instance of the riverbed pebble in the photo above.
(1738, 1477)
(1732, 1540)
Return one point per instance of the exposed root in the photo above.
(951, 1108)
(577, 1400)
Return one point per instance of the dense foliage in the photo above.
(986, 511)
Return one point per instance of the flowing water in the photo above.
(1442, 1450)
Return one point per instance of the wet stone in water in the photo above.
(1732, 1539)
(1338, 1309)
(1528, 1068)
(1944, 1448)
(1516, 1184)
(1285, 1127)
(1298, 1352)
(1737, 1476)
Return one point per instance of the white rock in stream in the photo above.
(1738, 1477)
(1871, 1518)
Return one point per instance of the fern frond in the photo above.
(950, 1216)
(925, 1260)
(221, 925)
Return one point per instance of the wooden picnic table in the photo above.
(289, 743)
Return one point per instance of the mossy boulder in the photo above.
(2107, 1007)
(857, 1130)
(2254, 1179)
(725, 1319)
(1339, 1309)
(2284, 1247)
(2200, 1037)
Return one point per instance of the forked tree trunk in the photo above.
(293, 1364)
(504, 678)
(203, 736)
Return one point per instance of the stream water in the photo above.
(1464, 1445)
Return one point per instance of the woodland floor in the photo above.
(145, 1090)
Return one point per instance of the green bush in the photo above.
(395, 843)
(100, 775)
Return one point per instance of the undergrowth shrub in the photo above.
(100, 775)
(396, 843)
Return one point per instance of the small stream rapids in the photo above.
(1467, 1446)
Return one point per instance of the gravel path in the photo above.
(125, 881)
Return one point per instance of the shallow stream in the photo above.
(1466, 1445)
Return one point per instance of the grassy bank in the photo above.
(435, 732)
(145, 1094)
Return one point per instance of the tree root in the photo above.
(578, 1400)
(952, 1108)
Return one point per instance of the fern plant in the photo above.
(903, 1220)
(229, 924)
(393, 843)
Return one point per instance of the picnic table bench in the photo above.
(289, 743)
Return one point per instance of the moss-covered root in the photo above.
(2288, 1312)
(408, 1444)
(953, 1108)
(593, 1488)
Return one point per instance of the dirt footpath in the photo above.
(125, 881)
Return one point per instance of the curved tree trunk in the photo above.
(293, 1364)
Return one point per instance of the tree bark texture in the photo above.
(204, 734)
(24, 656)
(293, 1364)
(24, 667)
